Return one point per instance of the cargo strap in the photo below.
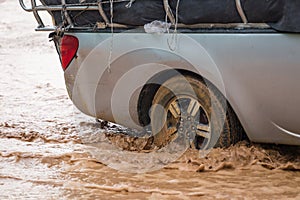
(241, 11)
(102, 13)
(65, 13)
(169, 12)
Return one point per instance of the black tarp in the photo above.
(224, 11)
(282, 15)
(290, 19)
(140, 13)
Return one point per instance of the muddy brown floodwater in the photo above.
(42, 155)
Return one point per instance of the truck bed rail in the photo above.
(98, 6)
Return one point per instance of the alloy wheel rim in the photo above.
(186, 115)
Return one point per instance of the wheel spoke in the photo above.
(203, 127)
(193, 107)
(171, 131)
(203, 130)
(203, 134)
(192, 144)
(174, 109)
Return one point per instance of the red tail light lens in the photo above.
(68, 48)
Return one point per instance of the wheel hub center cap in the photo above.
(188, 126)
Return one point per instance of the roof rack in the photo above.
(65, 7)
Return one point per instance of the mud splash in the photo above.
(243, 155)
(67, 170)
(42, 154)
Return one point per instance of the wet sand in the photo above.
(42, 154)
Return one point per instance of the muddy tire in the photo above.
(193, 109)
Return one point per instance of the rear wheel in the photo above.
(192, 109)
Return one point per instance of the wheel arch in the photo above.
(148, 91)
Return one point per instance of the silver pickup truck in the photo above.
(211, 84)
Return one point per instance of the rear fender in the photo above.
(109, 89)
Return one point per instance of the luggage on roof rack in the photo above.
(282, 15)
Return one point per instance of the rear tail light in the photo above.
(68, 48)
